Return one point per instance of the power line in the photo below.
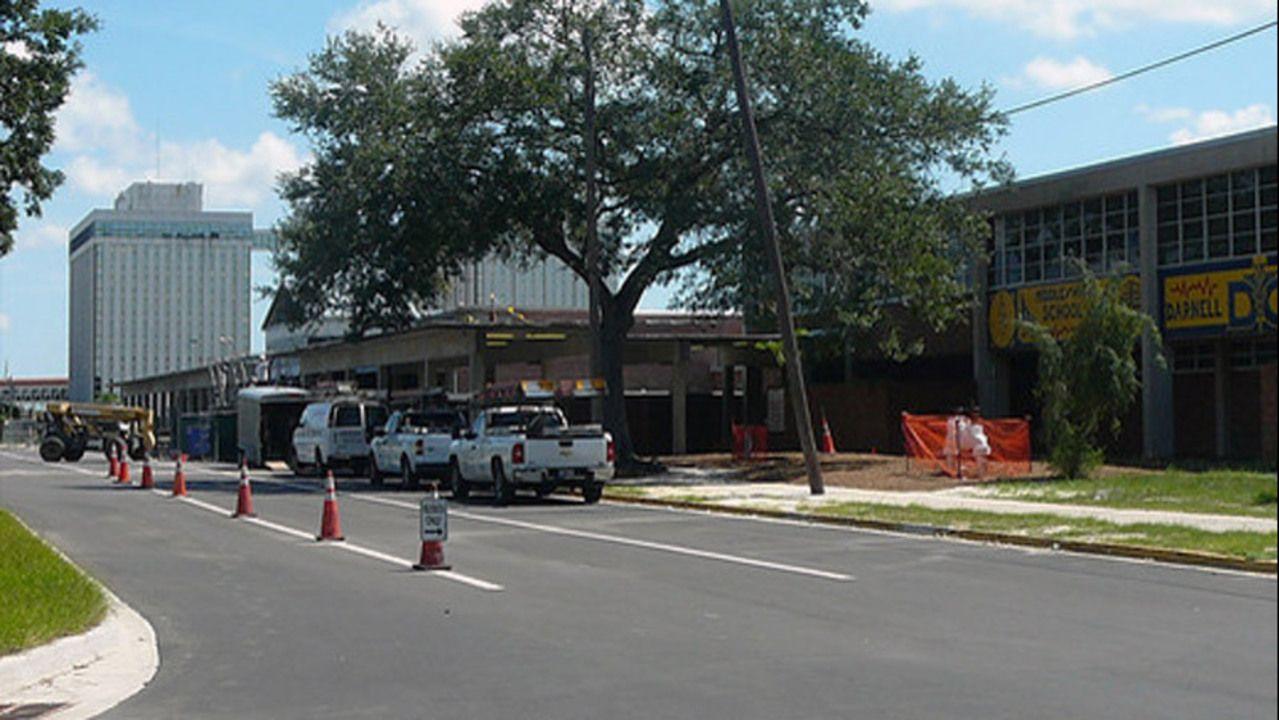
(1143, 69)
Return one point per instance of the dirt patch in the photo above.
(852, 470)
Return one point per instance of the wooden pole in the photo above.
(790, 348)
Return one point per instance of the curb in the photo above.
(1134, 552)
(83, 675)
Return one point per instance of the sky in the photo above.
(179, 91)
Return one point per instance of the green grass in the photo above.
(42, 596)
(1218, 492)
(1254, 546)
(624, 491)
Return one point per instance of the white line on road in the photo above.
(632, 542)
(349, 547)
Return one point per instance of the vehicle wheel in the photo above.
(460, 487)
(408, 478)
(503, 488)
(52, 448)
(74, 451)
(375, 475)
(592, 492)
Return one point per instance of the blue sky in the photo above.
(186, 84)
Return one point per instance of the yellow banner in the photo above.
(1240, 299)
(1057, 307)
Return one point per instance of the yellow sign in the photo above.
(1057, 307)
(1240, 298)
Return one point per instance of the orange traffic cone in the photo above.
(244, 501)
(330, 523)
(148, 478)
(432, 557)
(828, 442)
(113, 465)
(123, 479)
(180, 478)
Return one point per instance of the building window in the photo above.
(1252, 353)
(1196, 358)
(1047, 243)
(1222, 216)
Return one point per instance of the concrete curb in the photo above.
(1137, 552)
(86, 674)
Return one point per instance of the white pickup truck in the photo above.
(530, 445)
(413, 444)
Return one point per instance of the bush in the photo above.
(1089, 378)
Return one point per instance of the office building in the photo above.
(157, 284)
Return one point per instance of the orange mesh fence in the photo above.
(749, 441)
(932, 446)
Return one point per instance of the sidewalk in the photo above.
(680, 483)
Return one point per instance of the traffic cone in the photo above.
(148, 478)
(828, 442)
(113, 465)
(244, 501)
(330, 523)
(180, 477)
(123, 479)
(432, 557)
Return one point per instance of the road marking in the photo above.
(348, 546)
(632, 542)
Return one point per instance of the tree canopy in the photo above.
(478, 146)
(38, 55)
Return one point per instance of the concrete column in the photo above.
(1156, 376)
(679, 399)
(726, 407)
(991, 372)
(476, 362)
(1221, 397)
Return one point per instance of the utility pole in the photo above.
(794, 371)
(592, 229)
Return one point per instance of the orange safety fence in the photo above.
(925, 438)
(749, 441)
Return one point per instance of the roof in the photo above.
(269, 392)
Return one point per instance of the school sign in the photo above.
(1225, 298)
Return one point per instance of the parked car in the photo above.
(335, 433)
(414, 444)
(530, 445)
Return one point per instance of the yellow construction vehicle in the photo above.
(69, 429)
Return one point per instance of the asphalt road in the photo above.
(561, 610)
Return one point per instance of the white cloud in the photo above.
(1057, 75)
(108, 150)
(1069, 19)
(4, 323)
(1215, 123)
(423, 21)
(44, 235)
(1163, 114)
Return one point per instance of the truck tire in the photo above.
(375, 474)
(408, 478)
(592, 492)
(458, 484)
(503, 487)
(52, 449)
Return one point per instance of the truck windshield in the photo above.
(526, 419)
(430, 422)
(346, 416)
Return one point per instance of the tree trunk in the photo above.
(615, 322)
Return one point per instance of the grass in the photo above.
(1217, 492)
(1253, 546)
(42, 596)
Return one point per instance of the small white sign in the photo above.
(435, 519)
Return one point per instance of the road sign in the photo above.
(434, 513)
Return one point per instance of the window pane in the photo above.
(1244, 244)
(1268, 240)
(1192, 246)
(1218, 237)
(1166, 194)
(1134, 247)
(1052, 262)
(1034, 268)
(1092, 216)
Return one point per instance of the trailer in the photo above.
(266, 418)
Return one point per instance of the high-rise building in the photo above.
(157, 284)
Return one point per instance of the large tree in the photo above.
(485, 137)
(38, 55)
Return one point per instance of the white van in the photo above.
(335, 433)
